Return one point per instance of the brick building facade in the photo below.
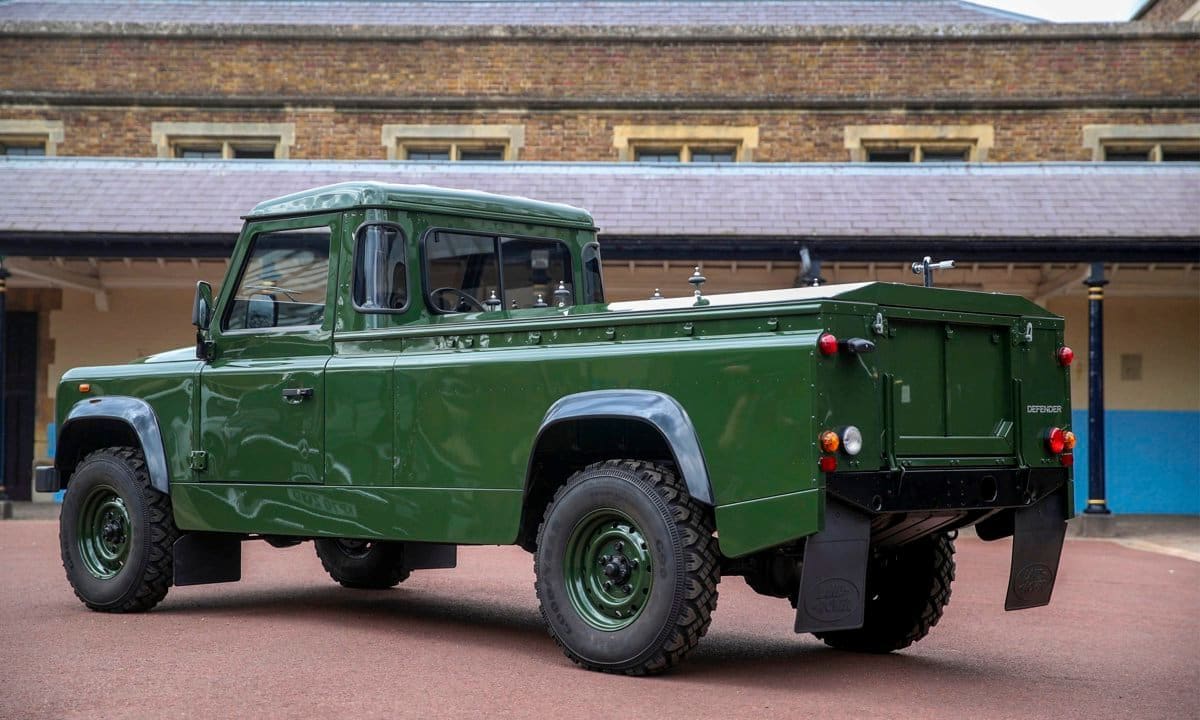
(762, 82)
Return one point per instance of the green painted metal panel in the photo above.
(745, 527)
(419, 514)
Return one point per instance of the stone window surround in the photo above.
(396, 137)
(976, 139)
(48, 132)
(167, 135)
(628, 138)
(1097, 137)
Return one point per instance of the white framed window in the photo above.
(30, 138)
(453, 143)
(223, 141)
(919, 143)
(685, 143)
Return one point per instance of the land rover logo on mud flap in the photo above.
(1033, 580)
(833, 600)
(1043, 409)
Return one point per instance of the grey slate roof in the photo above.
(965, 202)
(512, 12)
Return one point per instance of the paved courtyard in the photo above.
(1120, 640)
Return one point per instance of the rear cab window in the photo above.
(469, 272)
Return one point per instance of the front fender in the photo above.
(133, 412)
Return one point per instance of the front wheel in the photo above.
(626, 568)
(116, 533)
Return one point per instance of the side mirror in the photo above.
(202, 305)
(202, 308)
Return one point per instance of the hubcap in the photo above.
(608, 570)
(104, 532)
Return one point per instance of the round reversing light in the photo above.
(1056, 441)
(851, 440)
(827, 344)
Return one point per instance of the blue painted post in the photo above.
(1096, 504)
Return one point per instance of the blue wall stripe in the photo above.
(1152, 463)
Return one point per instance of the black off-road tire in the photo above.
(679, 546)
(907, 589)
(147, 571)
(363, 564)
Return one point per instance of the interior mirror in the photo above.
(202, 305)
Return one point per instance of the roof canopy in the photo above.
(1075, 211)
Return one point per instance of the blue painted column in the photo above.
(1096, 504)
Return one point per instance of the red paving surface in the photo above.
(1121, 640)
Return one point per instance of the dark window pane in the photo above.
(199, 153)
(254, 153)
(593, 282)
(701, 156)
(533, 269)
(463, 267)
(482, 155)
(1180, 155)
(1127, 155)
(944, 156)
(658, 156)
(25, 150)
(429, 155)
(380, 269)
(282, 283)
(892, 156)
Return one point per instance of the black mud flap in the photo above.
(202, 558)
(1038, 532)
(430, 556)
(833, 577)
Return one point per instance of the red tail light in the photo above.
(1066, 356)
(1056, 441)
(828, 463)
(827, 344)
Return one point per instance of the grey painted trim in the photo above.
(659, 410)
(140, 417)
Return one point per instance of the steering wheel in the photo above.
(463, 298)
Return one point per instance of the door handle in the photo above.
(296, 395)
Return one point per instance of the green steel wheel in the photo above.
(103, 532)
(363, 564)
(116, 533)
(608, 570)
(626, 568)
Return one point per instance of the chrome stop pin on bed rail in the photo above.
(926, 268)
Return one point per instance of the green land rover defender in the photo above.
(393, 371)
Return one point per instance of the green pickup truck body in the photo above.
(427, 368)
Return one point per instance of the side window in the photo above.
(593, 281)
(533, 270)
(462, 271)
(282, 283)
(380, 270)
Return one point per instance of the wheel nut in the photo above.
(628, 589)
(608, 585)
(620, 546)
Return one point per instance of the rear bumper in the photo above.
(46, 479)
(946, 490)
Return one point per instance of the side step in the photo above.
(834, 574)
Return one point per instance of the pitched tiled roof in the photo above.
(965, 203)
(512, 12)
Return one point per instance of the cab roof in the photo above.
(347, 195)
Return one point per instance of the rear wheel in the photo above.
(363, 564)
(626, 568)
(116, 533)
(907, 589)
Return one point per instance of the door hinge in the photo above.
(198, 460)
